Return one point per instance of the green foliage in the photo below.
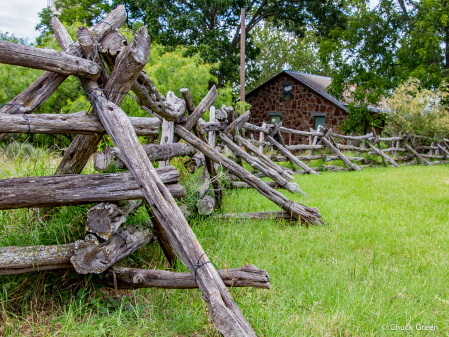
(210, 28)
(242, 107)
(385, 46)
(280, 50)
(361, 119)
(418, 111)
(173, 70)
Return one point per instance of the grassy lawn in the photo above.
(380, 260)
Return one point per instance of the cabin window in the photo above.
(275, 117)
(319, 120)
(288, 92)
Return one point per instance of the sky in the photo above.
(20, 17)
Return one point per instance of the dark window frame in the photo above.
(284, 84)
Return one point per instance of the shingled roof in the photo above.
(316, 83)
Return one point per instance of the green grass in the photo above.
(381, 259)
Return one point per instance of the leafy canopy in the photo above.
(210, 27)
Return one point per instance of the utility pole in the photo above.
(242, 55)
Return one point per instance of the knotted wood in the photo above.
(54, 191)
(110, 157)
(47, 59)
(73, 123)
(130, 278)
(90, 256)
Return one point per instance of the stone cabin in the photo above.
(299, 101)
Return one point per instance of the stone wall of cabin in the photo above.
(297, 113)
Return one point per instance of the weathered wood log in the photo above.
(262, 138)
(298, 211)
(211, 135)
(206, 205)
(90, 256)
(129, 64)
(89, 47)
(258, 165)
(74, 123)
(105, 218)
(417, 155)
(150, 97)
(291, 157)
(267, 161)
(413, 162)
(53, 191)
(222, 114)
(301, 133)
(367, 136)
(249, 126)
(332, 158)
(110, 157)
(304, 147)
(241, 184)
(352, 148)
(166, 138)
(276, 129)
(256, 215)
(431, 156)
(332, 168)
(110, 45)
(37, 93)
(394, 149)
(239, 121)
(199, 111)
(341, 155)
(213, 126)
(225, 314)
(47, 59)
(199, 132)
(282, 142)
(130, 278)
(443, 149)
(381, 153)
(18, 260)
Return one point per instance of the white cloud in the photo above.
(20, 17)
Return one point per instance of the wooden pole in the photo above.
(242, 55)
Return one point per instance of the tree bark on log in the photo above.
(234, 125)
(381, 153)
(90, 256)
(73, 123)
(32, 98)
(54, 191)
(267, 161)
(199, 132)
(110, 157)
(241, 184)
(18, 260)
(225, 314)
(166, 138)
(130, 278)
(129, 63)
(291, 157)
(47, 59)
(417, 155)
(341, 155)
(105, 218)
(258, 165)
(300, 212)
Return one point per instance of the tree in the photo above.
(382, 48)
(212, 27)
(280, 50)
(418, 111)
